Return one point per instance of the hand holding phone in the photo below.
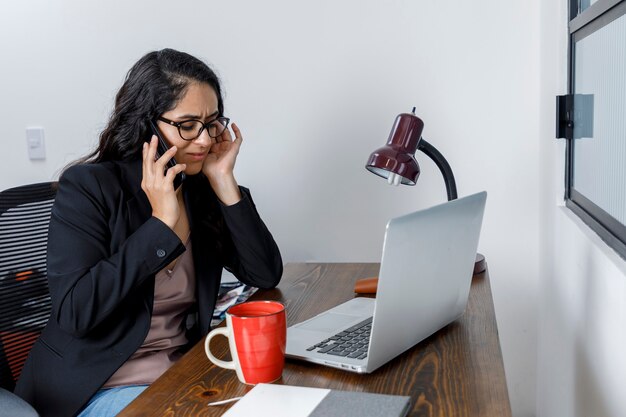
(161, 149)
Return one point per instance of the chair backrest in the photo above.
(24, 294)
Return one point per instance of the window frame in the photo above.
(593, 18)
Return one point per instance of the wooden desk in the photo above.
(456, 372)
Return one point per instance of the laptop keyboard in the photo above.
(350, 343)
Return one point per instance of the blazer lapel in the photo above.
(207, 266)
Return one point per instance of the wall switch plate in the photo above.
(35, 143)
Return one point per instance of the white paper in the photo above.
(268, 400)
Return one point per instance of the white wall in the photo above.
(315, 87)
(582, 366)
(581, 361)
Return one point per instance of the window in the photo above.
(596, 149)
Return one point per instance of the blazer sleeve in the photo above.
(92, 265)
(256, 260)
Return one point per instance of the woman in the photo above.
(134, 264)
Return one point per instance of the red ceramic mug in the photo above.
(257, 336)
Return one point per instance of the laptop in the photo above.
(423, 285)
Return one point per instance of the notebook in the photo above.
(423, 285)
(270, 400)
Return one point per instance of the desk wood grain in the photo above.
(456, 372)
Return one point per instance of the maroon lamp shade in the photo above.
(398, 155)
(396, 160)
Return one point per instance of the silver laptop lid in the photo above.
(425, 274)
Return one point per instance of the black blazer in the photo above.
(104, 249)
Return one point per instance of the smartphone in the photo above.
(161, 149)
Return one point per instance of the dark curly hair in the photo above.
(153, 86)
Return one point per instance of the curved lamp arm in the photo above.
(443, 165)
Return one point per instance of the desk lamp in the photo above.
(396, 162)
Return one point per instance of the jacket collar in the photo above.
(138, 205)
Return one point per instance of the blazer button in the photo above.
(161, 253)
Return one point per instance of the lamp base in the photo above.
(369, 285)
(480, 265)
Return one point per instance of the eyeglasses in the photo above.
(192, 129)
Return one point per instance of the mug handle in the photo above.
(207, 348)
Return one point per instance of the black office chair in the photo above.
(24, 295)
